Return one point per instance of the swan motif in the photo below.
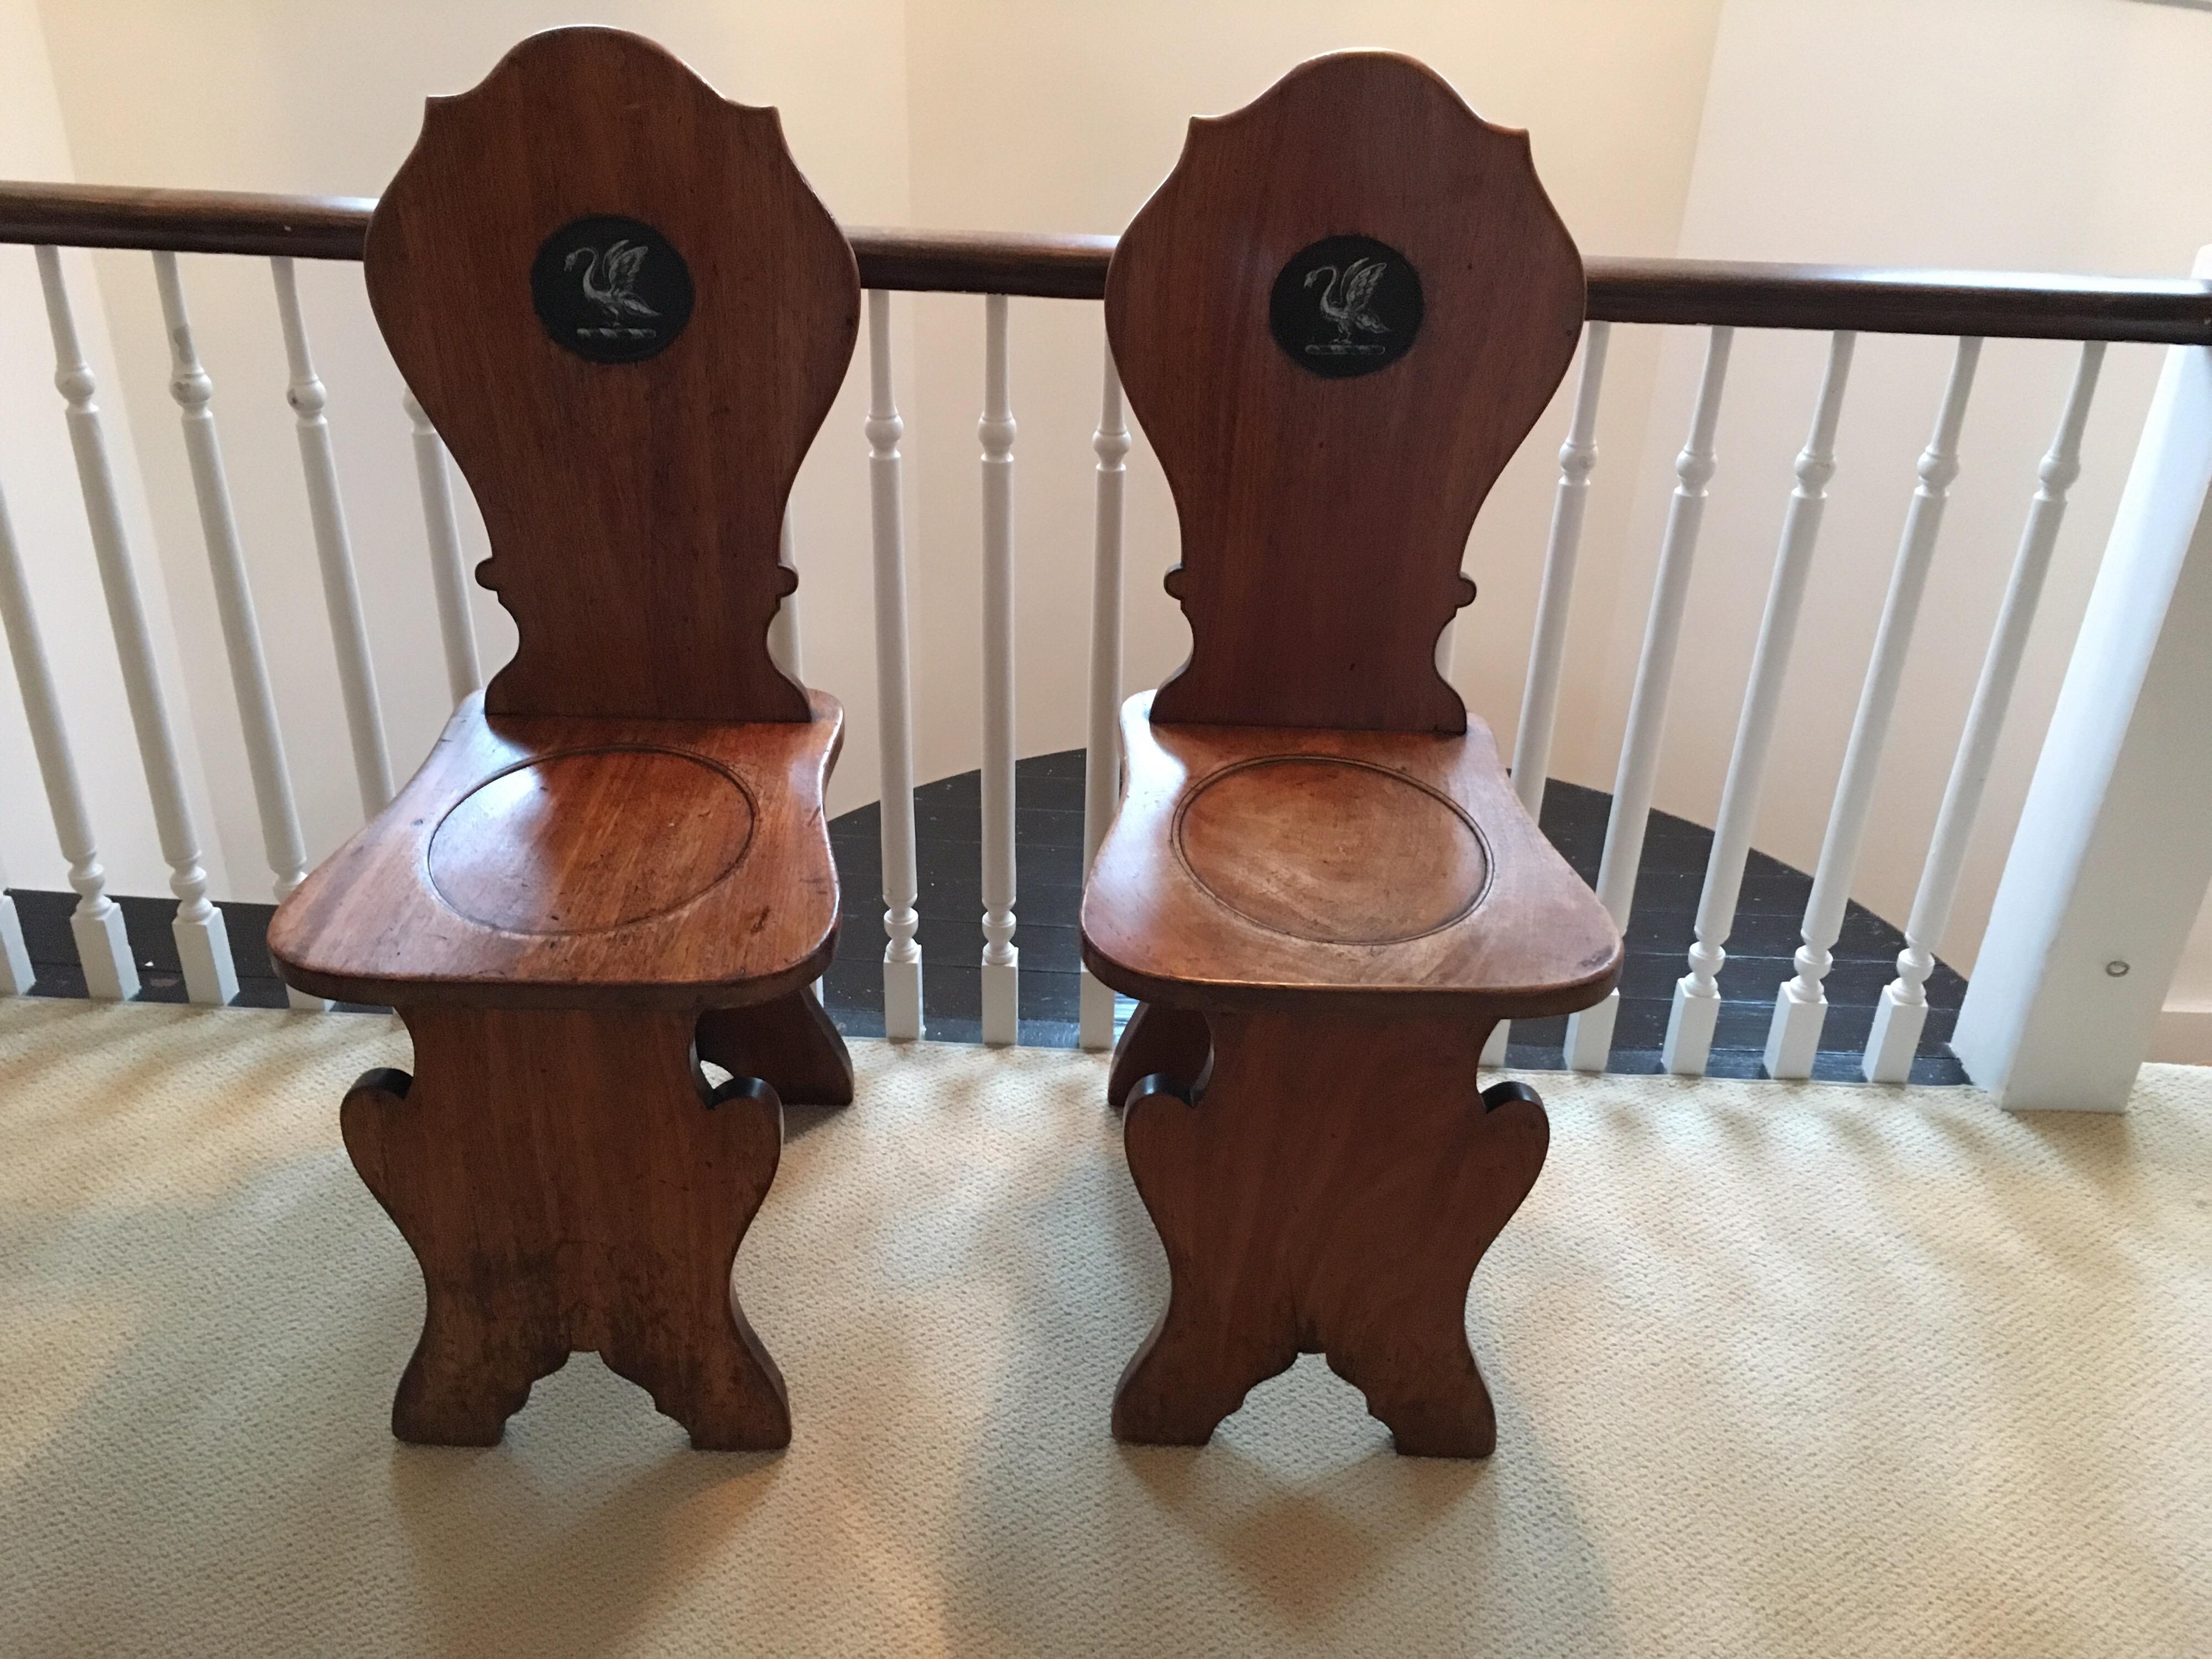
(611, 278)
(1349, 302)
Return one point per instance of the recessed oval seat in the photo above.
(1251, 864)
(583, 840)
(545, 861)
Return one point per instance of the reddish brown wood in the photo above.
(1868, 299)
(789, 1043)
(1323, 520)
(1353, 870)
(640, 560)
(548, 862)
(568, 1182)
(1051, 267)
(614, 862)
(1158, 1038)
(1320, 886)
(1330, 1190)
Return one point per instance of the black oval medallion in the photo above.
(1346, 305)
(610, 288)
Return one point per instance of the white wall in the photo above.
(2060, 134)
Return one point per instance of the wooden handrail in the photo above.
(1875, 299)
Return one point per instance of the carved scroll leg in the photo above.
(1173, 1041)
(674, 1325)
(487, 1339)
(1403, 1341)
(790, 1043)
(1216, 1342)
(1333, 1191)
(566, 1181)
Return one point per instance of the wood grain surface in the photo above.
(1287, 897)
(1330, 1190)
(1323, 520)
(568, 1182)
(635, 509)
(1158, 1038)
(703, 880)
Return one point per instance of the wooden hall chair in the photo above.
(628, 315)
(1337, 320)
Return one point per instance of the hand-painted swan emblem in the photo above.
(611, 278)
(1349, 302)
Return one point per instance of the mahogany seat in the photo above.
(1336, 320)
(563, 861)
(627, 315)
(1255, 866)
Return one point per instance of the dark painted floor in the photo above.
(1048, 833)
(1048, 837)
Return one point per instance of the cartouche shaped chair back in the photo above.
(1336, 320)
(628, 344)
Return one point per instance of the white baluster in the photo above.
(1001, 959)
(1102, 772)
(1903, 1009)
(903, 953)
(1539, 696)
(1800, 1007)
(203, 944)
(371, 766)
(1590, 1033)
(194, 392)
(1697, 993)
(96, 924)
(783, 627)
(449, 580)
(16, 973)
(241, 630)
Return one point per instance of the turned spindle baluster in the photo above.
(1590, 1033)
(903, 1017)
(449, 580)
(334, 552)
(96, 924)
(1903, 1010)
(1001, 957)
(1547, 648)
(1102, 777)
(1697, 993)
(203, 942)
(1800, 1007)
(193, 390)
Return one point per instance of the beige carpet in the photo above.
(1779, 1371)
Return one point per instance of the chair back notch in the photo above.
(627, 313)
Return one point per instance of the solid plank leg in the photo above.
(567, 1182)
(791, 1044)
(1173, 1041)
(1332, 1191)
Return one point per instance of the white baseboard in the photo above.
(2183, 1036)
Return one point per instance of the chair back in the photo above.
(626, 314)
(1336, 320)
